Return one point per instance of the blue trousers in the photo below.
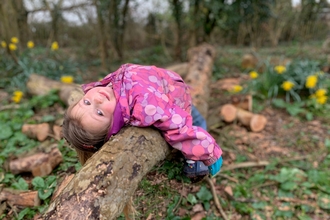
(198, 119)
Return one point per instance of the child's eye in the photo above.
(86, 102)
(99, 112)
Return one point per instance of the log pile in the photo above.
(255, 122)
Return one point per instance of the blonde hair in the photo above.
(84, 142)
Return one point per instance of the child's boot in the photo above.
(194, 169)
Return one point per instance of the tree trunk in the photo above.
(22, 21)
(102, 34)
(178, 16)
(110, 177)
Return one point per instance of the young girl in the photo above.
(141, 96)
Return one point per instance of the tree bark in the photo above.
(20, 198)
(40, 85)
(102, 33)
(199, 74)
(110, 177)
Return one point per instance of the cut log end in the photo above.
(258, 123)
(228, 112)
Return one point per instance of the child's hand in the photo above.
(215, 168)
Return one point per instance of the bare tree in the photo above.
(101, 33)
(177, 6)
(22, 20)
(117, 21)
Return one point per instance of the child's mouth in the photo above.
(105, 95)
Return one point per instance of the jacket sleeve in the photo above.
(176, 126)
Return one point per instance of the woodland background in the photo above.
(111, 32)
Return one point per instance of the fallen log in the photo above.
(255, 122)
(39, 163)
(228, 113)
(242, 102)
(181, 69)
(110, 177)
(201, 60)
(20, 198)
(40, 85)
(108, 180)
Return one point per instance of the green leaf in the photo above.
(191, 199)
(21, 184)
(294, 110)
(280, 103)
(5, 131)
(304, 217)
(323, 201)
(38, 183)
(23, 213)
(48, 118)
(289, 186)
(204, 194)
(44, 194)
(327, 142)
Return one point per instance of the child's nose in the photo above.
(98, 99)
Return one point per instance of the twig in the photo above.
(228, 177)
(216, 200)
(180, 199)
(245, 165)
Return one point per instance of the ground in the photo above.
(285, 142)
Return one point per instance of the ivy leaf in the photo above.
(44, 194)
(5, 131)
(21, 184)
(324, 201)
(191, 199)
(38, 182)
(290, 185)
(204, 194)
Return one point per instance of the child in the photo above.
(142, 96)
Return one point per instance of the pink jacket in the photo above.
(151, 96)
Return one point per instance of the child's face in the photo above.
(96, 109)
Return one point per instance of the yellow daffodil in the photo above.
(67, 79)
(3, 44)
(311, 81)
(54, 45)
(14, 40)
(287, 85)
(322, 100)
(12, 46)
(30, 44)
(253, 75)
(17, 96)
(236, 88)
(320, 92)
(280, 69)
